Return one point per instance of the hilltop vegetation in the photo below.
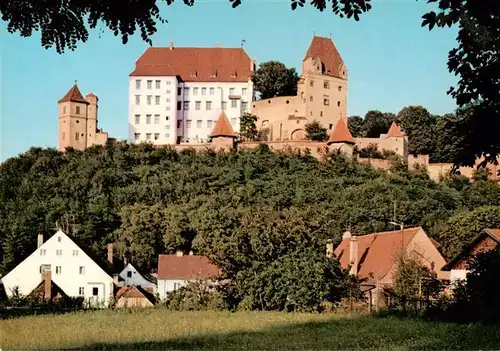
(258, 214)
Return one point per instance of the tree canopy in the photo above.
(274, 79)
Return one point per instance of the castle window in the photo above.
(179, 91)
(208, 106)
(137, 99)
(77, 136)
(77, 121)
(149, 99)
(167, 118)
(321, 113)
(195, 91)
(157, 100)
(330, 126)
(231, 91)
(338, 103)
(148, 136)
(326, 85)
(197, 105)
(167, 126)
(157, 119)
(150, 84)
(244, 106)
(311, 83)
(209, 124)
(77, 110)
(310, 98)
(186, 105)
(157, 135)
(137, 84)
(198, 123)
(244, 91)
(234, 103)
(203, 91)
(64, 109)
(137, 119)
(326, 101)
(167, 135)
(224, 105)
(167, 108)
(340, 87)
(137, 136)
(233, 121)
(179, 123)
(188, 123)
(63, 136)
(212, 91)
(148, 119)
(157, 83)
(179, 105)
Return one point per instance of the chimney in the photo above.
(171, 45)
(190, 253)
(329, 248)
(47, 285)
(110, 253)
(40, 240)
(217, 45)
(179, 253)
(353, 254)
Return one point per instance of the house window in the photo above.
(157, 84)
(168, 90)
(326, 101)
(129, 274)
(75, 252)
(167, 100)
(188, 123)
(224, 105)
(212, 91)
(244, 91)
(167, 127)
(203, 91)
(179, 105)
(137, 119)
(177, 286)
(340, 87)
(43, 252)
(150, 84)
(157, 100)
(167, 108)
(44, 268)
(148, 119)
(326, 85)
(231, 91)
(244, 106)
(338, 103)
(195, 91)
(197, 105)
(167, 118)
(167, 82)
(209, 124)
(58, 269)
(149, 97)
(234, 103)
(137, 84)
(208, 105)
(59, 239)
(310, 98)
(137, 136)
(179, 123)
(311, 83)
(137, 99)
(58, 252)
(157, 135)
(167, 135)
(179, 91)
(77, 136)
(198, 123)
(81, 270)
(81, 291)
(148, 136)
(157, 119)
(77, 110)
(185, 105)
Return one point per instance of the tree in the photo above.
(356, 126)
(376, 123)
(248, 128)
(419, 126)
(65, 23)
(273, 79)
(315, 131)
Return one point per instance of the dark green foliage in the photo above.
(273, 79)
(356, 126)
(315, 131)
(376, 123)
(419, 126)
(371, 151)
(198, 295)
(248, 127)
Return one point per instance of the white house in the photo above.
(177, 93)
(175, 271)
(131, 276)
(70, 267)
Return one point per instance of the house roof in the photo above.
(340, 134)
(129, 292)
(376, 251)
(394, 131)
(222, 127)
(186, 267)
(492, 233)
(39, 290)
(73, 95)
(325, 50)
(195, 64)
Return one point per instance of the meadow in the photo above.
(163, 329)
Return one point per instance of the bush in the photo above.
(196, 296)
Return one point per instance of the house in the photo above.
(133, 296)
(373, 257)
(175, 271)
(177, 93)
(131, 276)
(65, 265)
(487, 240)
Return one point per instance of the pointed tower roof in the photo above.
(340, 134)
(73, 95)
(394, 131)
(325, 50)
(222, 128)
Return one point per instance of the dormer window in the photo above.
(193, 74)
(233, 75)
(213, 75)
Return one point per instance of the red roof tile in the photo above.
(325, 50)
(130, 292)
(186, 267)
(376, 252)
(394, 131)
(340, 134)
(196, 64)
(222, 127)
(494, 231)
(73, 95)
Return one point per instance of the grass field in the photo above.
(161, 329)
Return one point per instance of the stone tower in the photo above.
(78, 121)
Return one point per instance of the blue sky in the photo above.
(392, 61)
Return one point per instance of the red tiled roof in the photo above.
(340, 134)
(376, 252)
(73, 95)
(222, 127)
(195, 64)
(495, 232)
(394, 131)
(129, 291)
(325, 50)
(186, 267)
